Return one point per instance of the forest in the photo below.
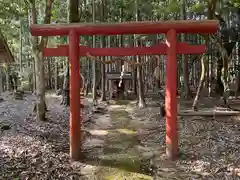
(124, 100)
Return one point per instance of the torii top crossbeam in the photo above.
(144, 27)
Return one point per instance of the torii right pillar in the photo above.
(171, 96)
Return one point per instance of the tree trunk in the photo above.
(21, 45)
(201, 82)
(88, 78)
(82, 82)
(204, 60)
(103, 83)
(7, 77)
(134, 69)
(56, 75)
(226, 52)
(40, 85)
(49, 73)
(219, 88)
(1, 79)
(141, 99)
(187, 92)
(210, 65)
(186, 87)
(39, 60)
(103, 44)
(237, 90)
(73, 17)
(65, 91)
(34, 77)
(94, 80)
(110, 66)
(86, 87)
(238, 82)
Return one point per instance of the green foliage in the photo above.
(235, 3)
(14, 11)
(198, 7)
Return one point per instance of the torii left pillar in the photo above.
(75, 121)
(171, 96)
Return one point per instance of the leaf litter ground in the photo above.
(120, 142)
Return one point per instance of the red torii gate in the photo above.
(171, 48)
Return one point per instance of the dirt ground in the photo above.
(121, 142)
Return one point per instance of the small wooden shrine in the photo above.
(119, 79)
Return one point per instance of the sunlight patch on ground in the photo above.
(118, 174)
(53, 95)
(88, 170)
(126, 131)
(98, 132)
(130, 109)
(112, 131)
(113, 107)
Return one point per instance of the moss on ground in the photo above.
(121, 159)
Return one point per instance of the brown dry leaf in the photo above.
(209, 148)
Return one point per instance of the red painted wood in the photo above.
(171, 97)
(75, 118)
(182, 48)
(145, 27)
(169, 27)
